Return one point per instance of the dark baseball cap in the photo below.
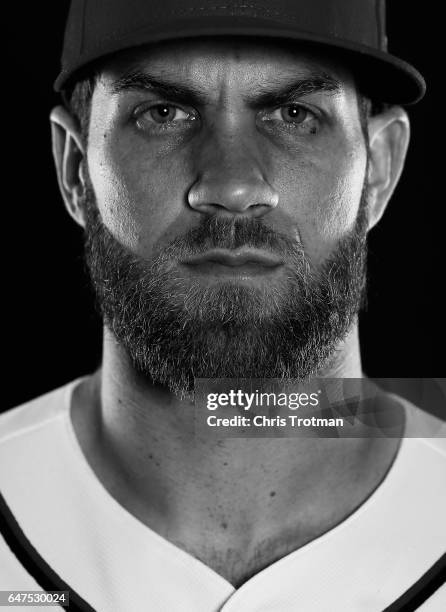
(96, 29)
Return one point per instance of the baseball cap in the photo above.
(96, 29)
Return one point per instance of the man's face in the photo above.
(226, 209)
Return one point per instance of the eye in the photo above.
(293, 113)
(294, 118)
(164, 113)
(162, 116)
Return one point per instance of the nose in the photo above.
(230, 179)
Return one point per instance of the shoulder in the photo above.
(34, 414)
(424, 426)
(422, 461)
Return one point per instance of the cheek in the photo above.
(323, 198)
(139, 194)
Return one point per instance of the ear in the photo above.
(389, 134)
(68, 153)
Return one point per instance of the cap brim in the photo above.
(382, 76)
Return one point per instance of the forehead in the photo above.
(242, 59)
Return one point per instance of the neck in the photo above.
(139, 442)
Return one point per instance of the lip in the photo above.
(238, 258)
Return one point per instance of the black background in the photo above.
(50, 331)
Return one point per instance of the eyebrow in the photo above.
(269, 96)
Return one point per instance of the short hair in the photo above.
(77, 100)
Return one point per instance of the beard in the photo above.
(174, 330)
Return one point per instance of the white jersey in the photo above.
(62, 528)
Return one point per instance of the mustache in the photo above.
(216, 232)
(211, 232)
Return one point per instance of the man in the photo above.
(226, 163)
